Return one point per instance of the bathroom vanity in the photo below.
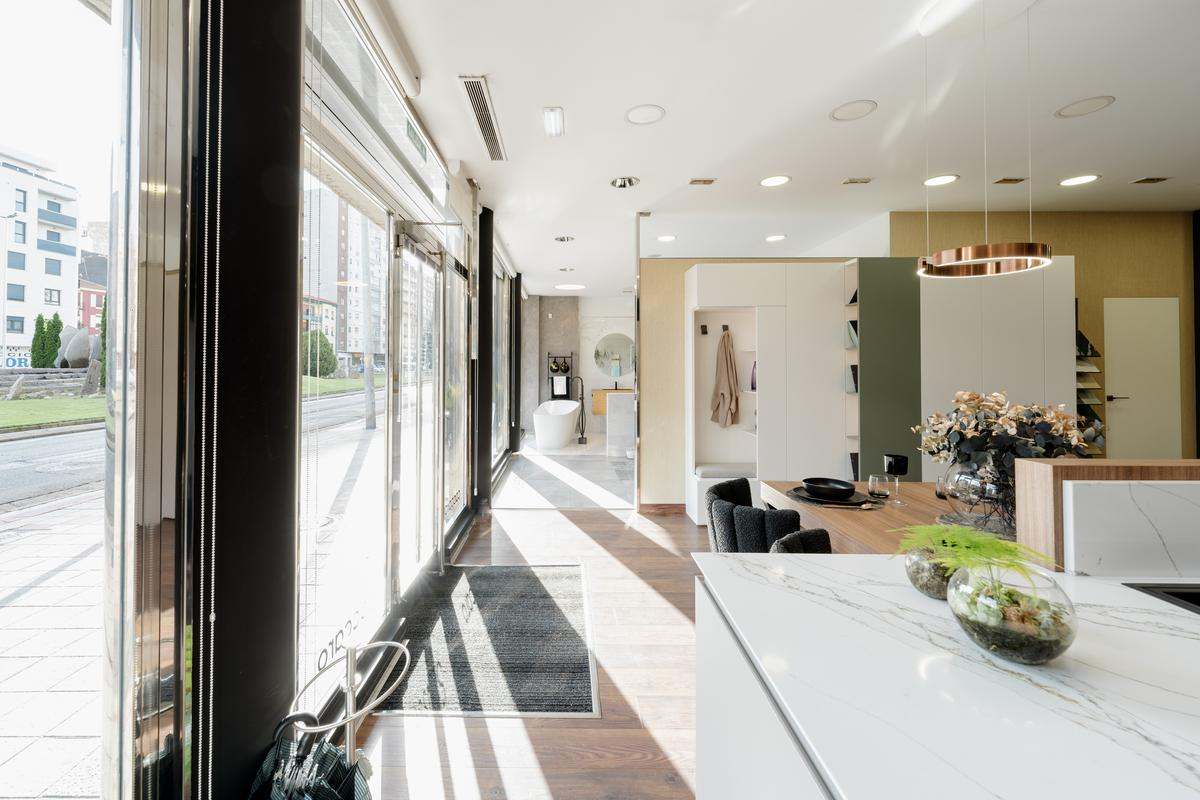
(832, 677)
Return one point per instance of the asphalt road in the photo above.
(43, 465)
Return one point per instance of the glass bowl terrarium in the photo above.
(1017, 612)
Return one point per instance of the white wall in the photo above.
(598, 317)
(872, 238)
(1013, 333)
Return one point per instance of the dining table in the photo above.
(869, 529)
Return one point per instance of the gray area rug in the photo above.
(499, 640)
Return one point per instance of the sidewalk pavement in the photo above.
(51, 643)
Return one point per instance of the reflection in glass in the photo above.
(455, 434)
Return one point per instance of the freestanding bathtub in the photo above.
(554, 422)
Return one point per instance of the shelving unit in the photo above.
(1089, 383)
(853, 339)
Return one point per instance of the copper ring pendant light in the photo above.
(1001, 258)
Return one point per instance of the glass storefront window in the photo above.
(343, 538)
(501, 303)
(455, 434)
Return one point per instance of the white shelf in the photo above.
(1083, 366)
(1086, 384)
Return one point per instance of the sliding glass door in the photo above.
(501, 361)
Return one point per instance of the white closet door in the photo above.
(771, 397)
(816, 390)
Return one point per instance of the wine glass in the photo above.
(896, 466)
(879, 487)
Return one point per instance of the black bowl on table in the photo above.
(828, 488)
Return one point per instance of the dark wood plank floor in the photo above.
(639, 579)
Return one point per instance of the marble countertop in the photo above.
(893, 700)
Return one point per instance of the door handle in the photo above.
(1111, 397)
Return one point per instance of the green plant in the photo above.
(53, 339)
(38, 346)
(317, 358)
(957, 546)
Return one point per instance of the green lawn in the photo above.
(50, 411)
(321, 386)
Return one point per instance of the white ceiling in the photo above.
(748, 86)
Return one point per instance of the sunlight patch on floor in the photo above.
(597, 494)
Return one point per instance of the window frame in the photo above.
(20, 287)
(54, 236)
(46, 296)
(20, 232)
(21, 200)
(8, 325)
(10, 264)
(46, 266)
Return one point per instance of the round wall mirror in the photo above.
(614, 355)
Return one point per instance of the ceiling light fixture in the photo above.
(667, 237)
(1000, 258)
(570, 287)
(564, 238)
(940, 180)
(554, 121)
(855, 109)
(1079, 180)
(645, 114)
(776, 237)
(774, 180)
(625, 182)
(1088, 105)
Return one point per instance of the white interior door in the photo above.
(1141, 377)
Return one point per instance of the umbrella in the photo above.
(307, 769)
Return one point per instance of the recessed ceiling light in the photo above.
(667, 237)
(646, 114)
(1088, 105)
(1151, 180)
(553, 121)
(855, 181)
(776, 237)
(855, 109)
(625, 182)
(570, 287)
(774, 180)
(940, 180)
(1078, 180)
(564, 238)
(566, 269)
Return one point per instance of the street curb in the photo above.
(48, 429)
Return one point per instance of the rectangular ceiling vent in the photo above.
(485, 115)
(702, 181)
(1150, 180)
(1008, 181)
(853, 181)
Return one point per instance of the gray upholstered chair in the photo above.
(736, 526)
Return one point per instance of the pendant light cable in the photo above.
(986, 238)
(925, 112)
(1029, 116)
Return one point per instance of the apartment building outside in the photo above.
(93, 285)
(39, 233)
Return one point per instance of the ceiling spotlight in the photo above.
(646, 114)
(667, 237)
(855, 109)
(940, 180)
(625, 182)
(554, 121)
(564, 238)
(776, 237)
(566, 269)
(570, 287)
(1078, 180)
(1088, 105)
(774, 180)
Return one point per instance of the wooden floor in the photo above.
(639, 580)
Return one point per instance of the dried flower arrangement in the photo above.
(986, 435)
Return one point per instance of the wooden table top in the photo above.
(853, 530)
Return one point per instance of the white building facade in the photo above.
(39, 235)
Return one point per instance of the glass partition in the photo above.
(501, 359)
(455, 435)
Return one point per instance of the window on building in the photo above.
(54, 205)
(16, 260)
(53, 297)
(53, 236)
(54, 266)
(20, 204)
(16, 291)
(19, 232)
(15, 324)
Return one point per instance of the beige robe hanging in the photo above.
(725, 390)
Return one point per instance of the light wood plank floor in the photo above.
(639, 579)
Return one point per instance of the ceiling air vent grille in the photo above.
(485, 115)
(1150, 180)
(855, 181)
(702, 181)
(1008, 181)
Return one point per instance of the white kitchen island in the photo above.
(831, 677)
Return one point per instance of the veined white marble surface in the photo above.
(893, 700)
(1132, 528)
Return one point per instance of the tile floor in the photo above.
(51, 642)
(576, 476)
